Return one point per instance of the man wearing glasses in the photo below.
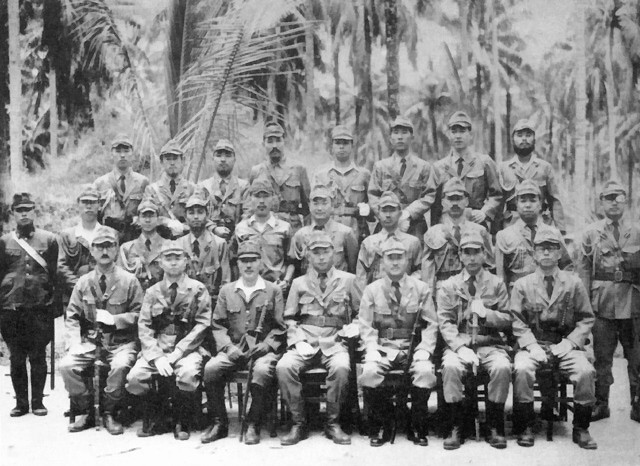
(610, 270)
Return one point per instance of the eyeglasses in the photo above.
(619, 198)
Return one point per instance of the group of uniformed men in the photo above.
(196, 290)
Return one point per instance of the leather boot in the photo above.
(254, 416)
(581, 421)
(635, 409)
(380, 409)
(418, 433)
(80, 408)
(332, 429)
(150, 415)
(299, 429)
(38, 380)
(20, 382)
(182, 414)
(108, 421)
(454, 439)
(495, 418)
(522, 419)
(217, 413)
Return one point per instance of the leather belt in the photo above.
(322, 321)
(395, 333)
(617, 276)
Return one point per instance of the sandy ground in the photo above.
(44, 441)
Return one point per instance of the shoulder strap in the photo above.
(32, 252)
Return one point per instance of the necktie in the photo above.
(318, 227)
(456, 233)
(403, 167)
(549, 282)
(147, 243)
(533, 232)
(396, 286)
(472, 285)
(173, 292)
(196, 248)
(616, 230)
(103, 283)
(223, 187)
(122, 185)
(460, 166)
(172, 186)
(323, 281)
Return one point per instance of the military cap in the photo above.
(224, 144)
(389, 198)
(22, 200)
(528, 187)
(260, 185)
(402, 122)
(171, 147)
(147, 206)
(454, 186)
(523, 124)
(121, 140)
(172, 247)
(471, 239)
(320, 191)
(548, 234)
(341, 132)
(319, 239)
(459, 119)
(273, 129)
(392, 246)
(612, 187)
(196, 200)
(89, 193)
(249, 249)
(105, 235)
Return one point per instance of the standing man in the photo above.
(552, 319)
(121, 190)
(224, 190)
(175, 316)
(29, 297)
(514, 244)
(349, 184)
(392, 307)
(412, 179)
(289, 181)
(610, 270)
(345, 244)
(369, 268)
(527, 165)
(319, 307)
(473, 308)
(111, 298)
(142, 255)
(171, 191)
(477, 171)
(236, 321)
(272, 234)
(441, 256)
(74, 243)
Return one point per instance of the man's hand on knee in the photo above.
(163, 366)
(537, 353)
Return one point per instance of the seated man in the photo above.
(392, 309)
(247, 325)
(552, 318)
(111, 298)
(473, 307)
(175, 316)
(319, 306)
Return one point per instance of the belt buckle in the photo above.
(617, 276)
(389, 334)
(323, 320)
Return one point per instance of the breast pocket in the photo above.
(415, 190)
(291, 189)
(309, 306)
(477, 187)
(357, 194)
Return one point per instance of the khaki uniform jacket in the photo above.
(237, 315)
(441, 259)
(134, 257)
(24, 282)
(116, 204)
(416, 189)
(207, 268)
(480, 177)
(122, 298)
(230, 208)
(345, 246)
(290, 183)
(178, 329)
(454, 312)
(511, 173)
(567, 314)
(171, 205)
(601, 254)
(341, 300)
(380, 312)
(74, 258)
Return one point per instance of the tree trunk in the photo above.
(581, 112)
(393, 67)
(336, 81)
(495, 85)
(479, 132)
(362, 76)
(15, 92)
(464, 53)
(310, 97)
(507, 121)
(53, 115)
(610, 88)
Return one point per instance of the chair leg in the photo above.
(240, 391)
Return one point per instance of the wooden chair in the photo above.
(240, 379)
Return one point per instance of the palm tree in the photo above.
(393, 66)
(581, 103)
(15, 91)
